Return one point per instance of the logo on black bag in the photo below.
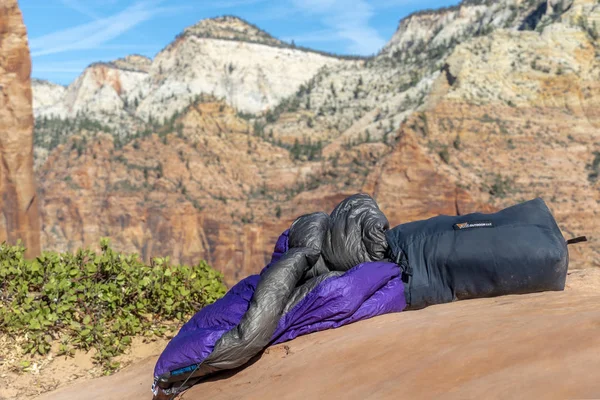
(475, 224)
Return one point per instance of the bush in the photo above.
(501, 187)
(306, 150)
(457, 143)
(444, 154)
(594, 167)
(97, 301)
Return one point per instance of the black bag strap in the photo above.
(577, 240)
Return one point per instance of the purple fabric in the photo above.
(365, 291)
(281, 247)
(198, 336)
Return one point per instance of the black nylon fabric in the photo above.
(356, 233)
(514, 251)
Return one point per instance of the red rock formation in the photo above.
(511, 116)
(19, 218)
(215, 192)
(408, 186)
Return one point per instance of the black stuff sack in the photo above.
(515, 251)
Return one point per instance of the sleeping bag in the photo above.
(330, 270)
(326, 271)
(514, 251)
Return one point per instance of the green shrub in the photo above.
(501, 187)
(594, 167)
(457, 143)
(100, 301)
(444, 154)
(308, 149)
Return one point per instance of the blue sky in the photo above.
(68, 35)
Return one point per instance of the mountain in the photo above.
(231, 28)
(473, 107)
(46, 94)
(469, 108)
(515, 115)
(225, 57)
(371, 98)
(19, 219)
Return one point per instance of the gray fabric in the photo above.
(320, 247)
(318, 269)
(309, 231)
(356, 233)
(307, 287)
(254, 332)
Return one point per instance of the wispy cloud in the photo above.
(80, 8)
(58, 70)
(100, 31)
(349, 20)
(63, 66)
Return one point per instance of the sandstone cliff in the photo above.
(19, 218)
(212, 189)
(516, 115)
(475, 107)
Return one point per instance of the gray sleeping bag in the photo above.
(320, 247)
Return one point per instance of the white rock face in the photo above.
(225, 57)
(254, 72)
(251, 77)
(453, 24)
(101, 89)
(368, 100)
(46, 94)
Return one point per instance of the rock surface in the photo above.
(476, 113)
(542, 345)
(45, 94)
(19, 218)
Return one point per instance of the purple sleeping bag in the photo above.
(297, 293)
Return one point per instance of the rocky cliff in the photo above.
(515, 115)
(45, 94)
(213, 189)
(226, 57)
(19, 219)
(192, 199)
(474, 107)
